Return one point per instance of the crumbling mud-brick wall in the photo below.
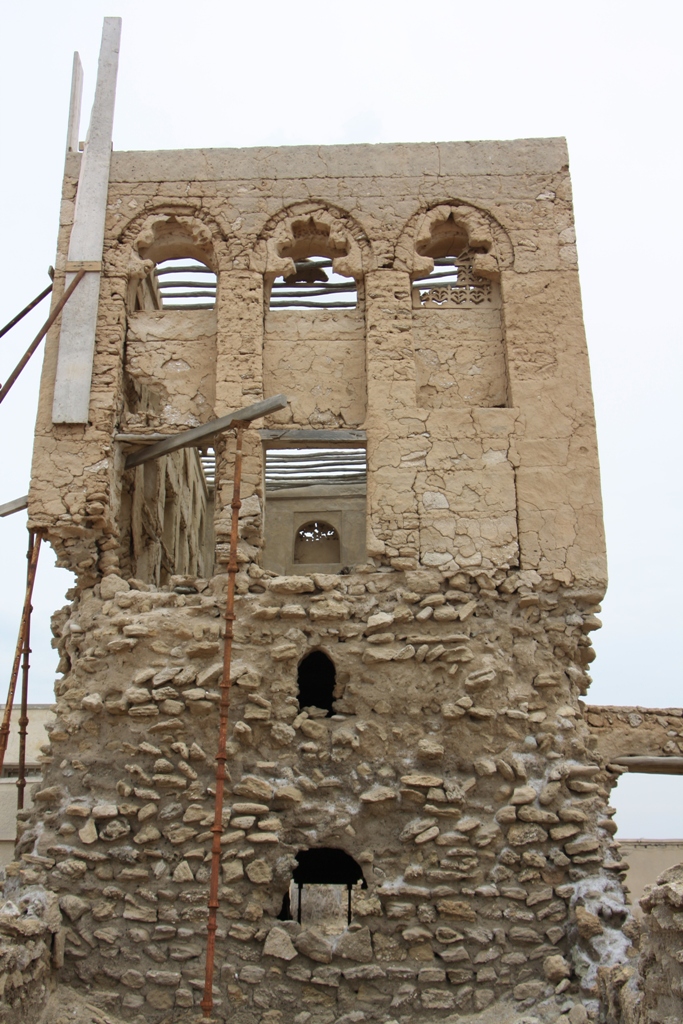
(450, 763)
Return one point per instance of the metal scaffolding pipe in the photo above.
(221, 756)
(23, 632)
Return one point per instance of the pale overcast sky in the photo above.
(607, 75)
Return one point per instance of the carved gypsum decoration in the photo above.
(476, 230)
(167, 234)
(468, 289)
(312, 231)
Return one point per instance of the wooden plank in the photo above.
(92, 266)
(650, 765)
(190, 438)
(77, 337)
(141, 438)
(313, 437)
(17, 505)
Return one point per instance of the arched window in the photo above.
(314, 285)
(457, 315)
(183, 275)
(452, 282)
(185, 284)
(318, 280)
(322, 884)
(316, 678)
(316, 543)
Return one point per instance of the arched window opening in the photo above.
(316, 678)
(321, 890)
(186, 284)
(452, 282)
(178, 257)
(316, 543)
(178, 284)
(314, 285)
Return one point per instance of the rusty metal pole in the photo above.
(25, 615)
(5, 389)
(23, 714)
(221, 757)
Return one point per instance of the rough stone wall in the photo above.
(30, 945)
(651, 991)
(457, 770)
(636, 731)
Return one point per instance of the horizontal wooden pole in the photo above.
(191, 438)
(313, 437)
(650, 765)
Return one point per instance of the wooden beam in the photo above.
(650, 765)
(191, 438)
(71, 401)
(17, 505)
(312, 438)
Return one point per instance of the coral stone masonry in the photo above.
(416, 821)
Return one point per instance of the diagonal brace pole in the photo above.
(41, 334)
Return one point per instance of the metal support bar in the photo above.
(16, 505)
(25, 617)
(25, 666)
(191, 438)
(221, 756)
(27, 309)
(41, 334)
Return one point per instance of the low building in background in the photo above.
(39, 717)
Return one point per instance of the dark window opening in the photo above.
(324, 866)
(314, 285)
(317, 543)
(316, 678)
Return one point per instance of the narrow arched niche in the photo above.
(316, 678)
(457, 318)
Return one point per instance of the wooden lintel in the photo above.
(192, 438)
(311, 438)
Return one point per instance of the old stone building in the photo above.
(417, 821)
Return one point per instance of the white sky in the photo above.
(606, 74)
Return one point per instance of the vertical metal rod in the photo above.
(221, 757)
(30, 580)
(23, 714)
